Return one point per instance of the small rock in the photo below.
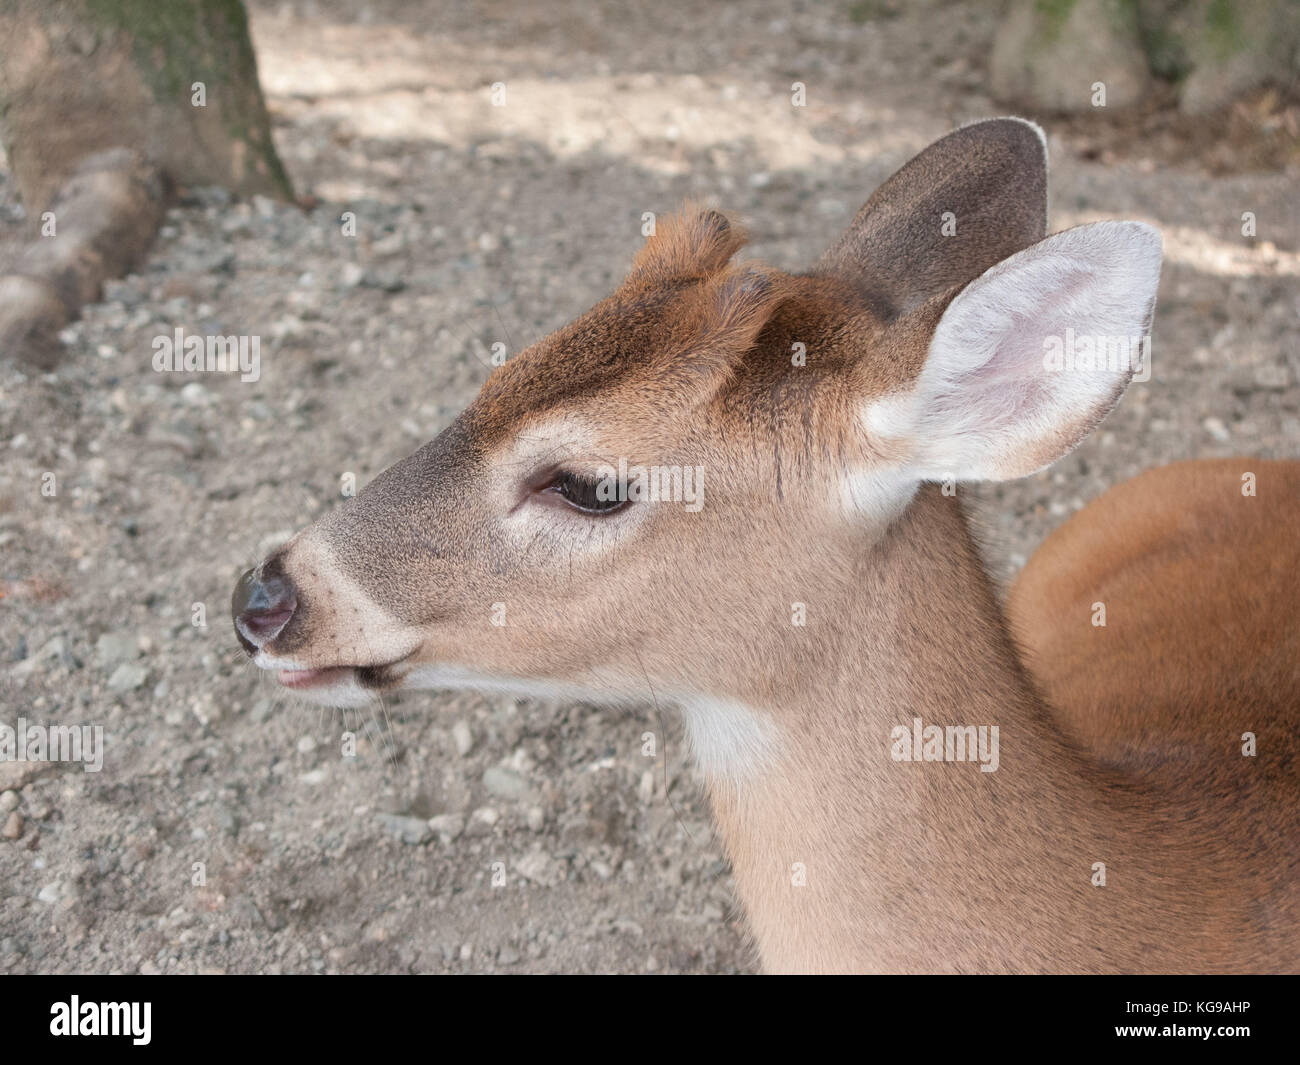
(1273, 376)
(127, 677)
(410, 830)
(15, 775)
(115, 647)
(1217, 429)
(51, 892)
(13, 827)
(536, 818)
(462, 737)
(195, 394)
(447, 826)
(539, 867)
(482, 821)
(505, 783)
(8, 801)
(52, 651)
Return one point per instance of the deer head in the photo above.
(792, 419)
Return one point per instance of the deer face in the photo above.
(632, 506)
(543, 540)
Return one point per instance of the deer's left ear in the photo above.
(1029, 357)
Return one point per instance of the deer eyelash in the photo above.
(585, 493)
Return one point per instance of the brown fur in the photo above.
(1194, 651)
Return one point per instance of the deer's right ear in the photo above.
(967, 202)
(1027, 358)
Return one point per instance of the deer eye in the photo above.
(591, 495)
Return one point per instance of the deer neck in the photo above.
(847, 858)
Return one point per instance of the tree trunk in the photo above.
(1050, 55)
(104, 106)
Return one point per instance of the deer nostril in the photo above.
(261, 607)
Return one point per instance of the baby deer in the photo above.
(731, 489)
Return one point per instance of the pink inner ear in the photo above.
(1002, 376)
(1031, 355)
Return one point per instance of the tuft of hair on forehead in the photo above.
(716, 323)
(736, 303)
(694, 242)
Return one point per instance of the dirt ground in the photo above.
(477, 224)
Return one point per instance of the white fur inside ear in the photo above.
(1031, 355)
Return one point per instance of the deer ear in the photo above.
(965, 203)
(1029, 357)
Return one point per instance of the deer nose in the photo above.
(262, 606)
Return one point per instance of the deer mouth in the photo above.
(377, 676)
(335, 685)
(308, 679)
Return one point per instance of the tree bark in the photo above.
(105, 105)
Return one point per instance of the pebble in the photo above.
(410, 830)
(447, 826)
(8, 801)
(54, 650)
(462, 737)
(115, 647)
(1217, 429)
(195, 394)
(505, 783)
(539, 867)
(127, 677)
(13, 826)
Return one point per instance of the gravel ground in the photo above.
(477, 224)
